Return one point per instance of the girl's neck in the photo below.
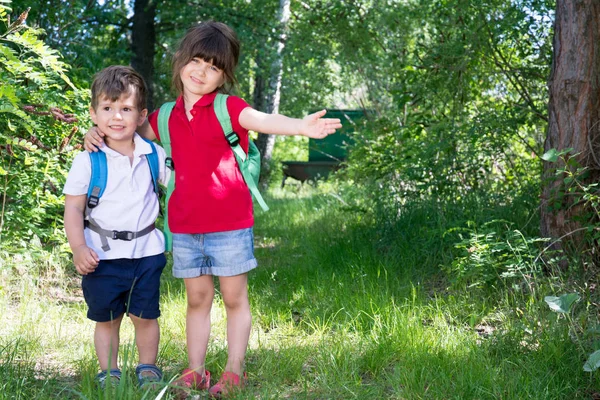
(190, 99)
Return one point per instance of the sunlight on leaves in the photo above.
(593, 362)
(550, 156)
(562, 304)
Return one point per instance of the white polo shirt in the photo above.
(129, 202)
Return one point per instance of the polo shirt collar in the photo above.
(205, 101)
(141, 147)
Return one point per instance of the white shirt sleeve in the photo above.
(79, 176)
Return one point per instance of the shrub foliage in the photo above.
(39, 112)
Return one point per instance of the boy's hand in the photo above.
(93, 139)
(313, 126)
(85, 259)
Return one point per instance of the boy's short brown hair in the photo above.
(213, 42)
(114, 81)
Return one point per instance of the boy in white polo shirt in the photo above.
(121, 273)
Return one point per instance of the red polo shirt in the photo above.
(210, 193)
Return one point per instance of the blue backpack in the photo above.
(96, 190)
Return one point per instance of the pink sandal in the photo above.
(229, 383)
(192, 380)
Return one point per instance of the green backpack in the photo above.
(249, 164)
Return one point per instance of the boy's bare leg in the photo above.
(106, 342)
(200, 294)
(239, 320)
(147, 336)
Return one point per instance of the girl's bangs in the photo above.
(211, 51)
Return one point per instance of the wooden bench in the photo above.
(325, 155)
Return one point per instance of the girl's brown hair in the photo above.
(116, 80)
(213, 42)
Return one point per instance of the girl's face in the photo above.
(200, 77)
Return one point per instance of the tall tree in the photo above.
(573, 110)
(266, 143)
(143, 43)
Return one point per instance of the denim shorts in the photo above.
(124, 285)
(226, 253)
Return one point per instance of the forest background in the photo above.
(457, 157)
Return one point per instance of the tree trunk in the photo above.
(266, 143)
(143, 40)
(573, 111)
(259, 97)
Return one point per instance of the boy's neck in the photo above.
(124, 147)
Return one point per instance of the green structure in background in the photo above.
(327, 154)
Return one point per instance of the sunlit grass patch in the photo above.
(342, 308)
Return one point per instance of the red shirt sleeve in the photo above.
(235, 105)
(153, 120)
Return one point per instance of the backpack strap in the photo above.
(117, 235)
(96, 187)
(165, 141)
(220, 104)
(152, 159)
(98, 178)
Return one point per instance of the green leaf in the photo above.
(566, 151)
(593, 362)
(563, 303)
(68, 81)
(550, 156)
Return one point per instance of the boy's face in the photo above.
(119, 119)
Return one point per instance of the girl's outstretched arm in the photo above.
(313, 125)
(94, 137)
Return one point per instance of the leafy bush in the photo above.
(576, 190)
(457, 122)
(39, 110)
(494, 254)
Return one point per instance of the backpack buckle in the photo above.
(233, 139)
(93, 201)
(122, 235)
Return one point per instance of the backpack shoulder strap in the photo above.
(153, 164)
(225, 121)
(163, 126)
(98, 178)
(165, 140)
(241, 157)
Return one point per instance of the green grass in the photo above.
(342, 308)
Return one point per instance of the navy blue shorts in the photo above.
(124, 285)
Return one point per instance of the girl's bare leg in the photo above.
(239, 320)
(200, 294)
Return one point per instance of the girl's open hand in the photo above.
(93, 139)
(316, 127)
